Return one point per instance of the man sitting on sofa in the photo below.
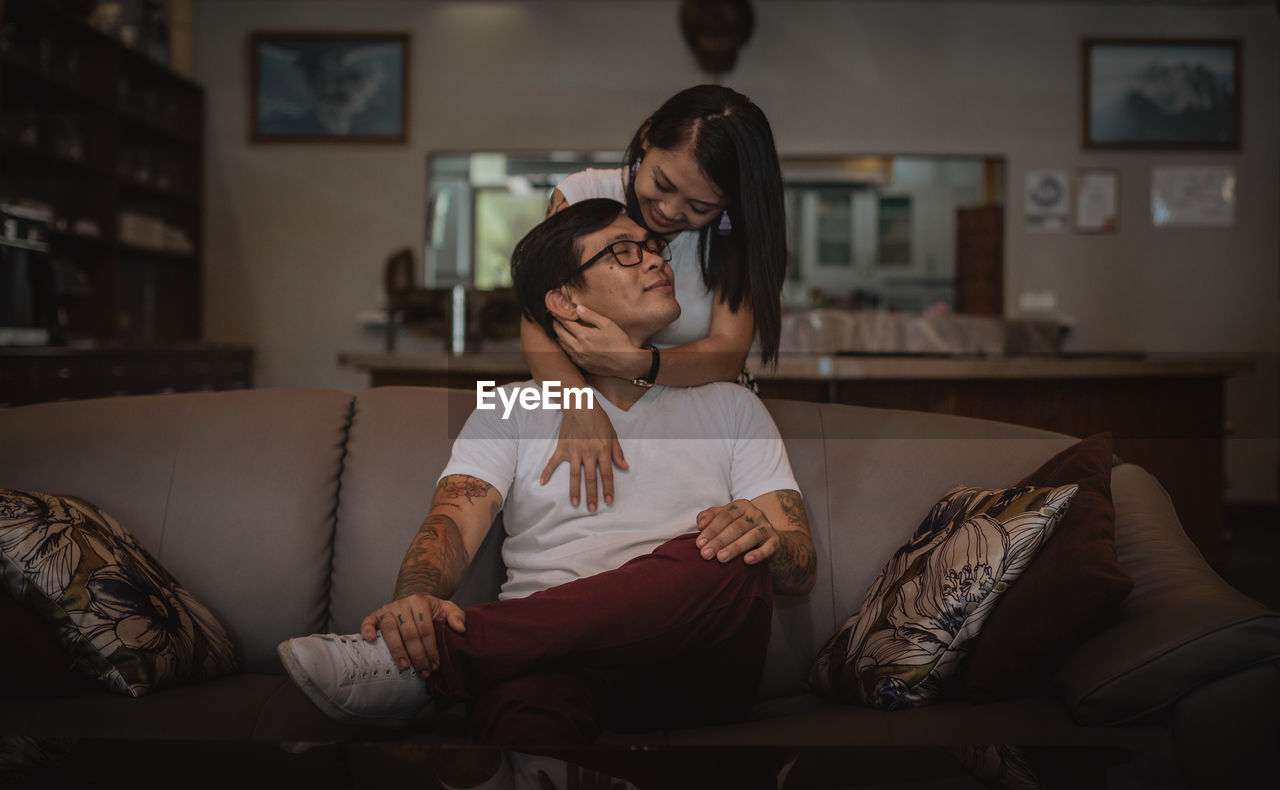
(653, 610)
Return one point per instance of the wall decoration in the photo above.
(328, 87)
(1097, 201)
(1047, 201)
(715, 30)
(1193, 197)
(1162, 94)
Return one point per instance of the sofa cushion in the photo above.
(1068, 593)
(234, 492)
(932, 598)
(121, 616)
(32, 664)
(1180, 628)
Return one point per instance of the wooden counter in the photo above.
(827, 368)
(1166, 413)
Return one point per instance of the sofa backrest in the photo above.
(868, 477)
(233, 492)
(289, 511)
(399, 442)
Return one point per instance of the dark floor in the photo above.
(1253, 533)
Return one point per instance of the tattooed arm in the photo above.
(773, 528)
(462, 509)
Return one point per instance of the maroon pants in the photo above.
(668, 638)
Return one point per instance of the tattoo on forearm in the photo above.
(435, 561)
(794, 565)
(793, 508)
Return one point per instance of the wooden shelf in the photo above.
(136, 124)
(37, 375)
(17, 159)
(66, 88)
(155, 252)
(152, 191)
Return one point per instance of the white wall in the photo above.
(296, 234)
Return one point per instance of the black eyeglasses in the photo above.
(630, 253)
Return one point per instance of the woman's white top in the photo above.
(695, 300)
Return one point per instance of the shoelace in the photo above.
(363, 658)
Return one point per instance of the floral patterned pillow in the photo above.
(928, 605)
(122, 618)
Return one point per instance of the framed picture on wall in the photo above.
(1097, 208)
(328, 87)
(1168, 94)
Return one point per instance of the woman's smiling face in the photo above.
(673, 192)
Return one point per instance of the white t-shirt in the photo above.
(689, 448)
(695, 300)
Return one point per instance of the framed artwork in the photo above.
(1097, 200)
(328, 87)
(1047, 200)
(1193, 196)
(1165, 94)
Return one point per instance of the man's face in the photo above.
(641, 298)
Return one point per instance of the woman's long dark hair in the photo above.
(732, 143)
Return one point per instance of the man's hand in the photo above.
(738, 528)
(408, 626)
(771, 527)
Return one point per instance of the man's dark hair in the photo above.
(548, 256)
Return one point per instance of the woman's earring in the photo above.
(726, 226)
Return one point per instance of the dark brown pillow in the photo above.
(1068, 592)
(32, 663)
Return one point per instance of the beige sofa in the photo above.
(287, 512)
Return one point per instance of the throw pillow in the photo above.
(929, 603)
(122, 618)
(1070, 591)
(32, 664)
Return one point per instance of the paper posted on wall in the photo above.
(1193, 196)
(1047, 202)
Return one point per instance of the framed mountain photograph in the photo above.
(328, 87)
(1166, 94)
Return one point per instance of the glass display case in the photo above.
(862, 231)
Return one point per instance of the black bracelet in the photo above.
(649, 380)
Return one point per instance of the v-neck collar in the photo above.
(643, 403)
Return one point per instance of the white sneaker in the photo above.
(354, 681)
(537, 772)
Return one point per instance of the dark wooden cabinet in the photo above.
(980, 260)
(110, 144)
(36, 375)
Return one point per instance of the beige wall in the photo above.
(296, 234)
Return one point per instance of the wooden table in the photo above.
(1165, 413)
